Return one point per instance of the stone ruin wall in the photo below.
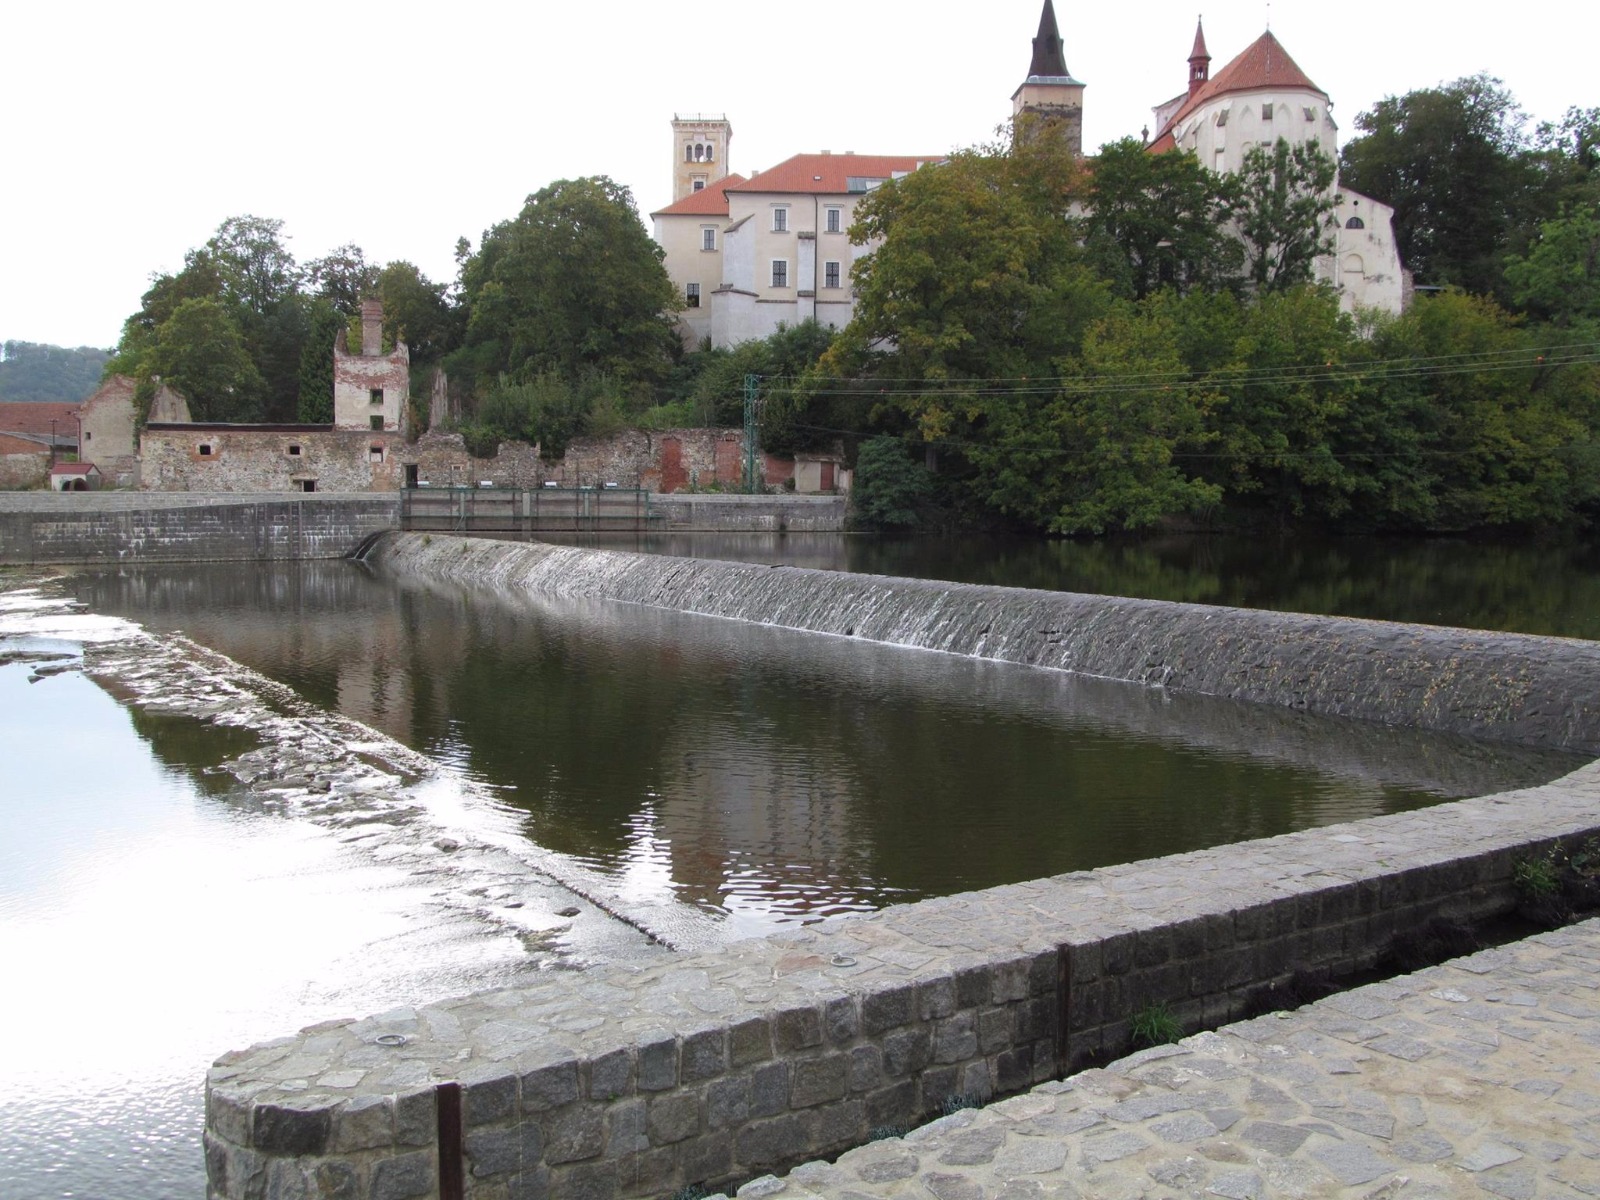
(246, 459)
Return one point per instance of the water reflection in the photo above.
(1544, 587)
(768, 776)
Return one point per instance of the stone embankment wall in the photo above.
(722, 1065)
(1536, 691)
(138, 527)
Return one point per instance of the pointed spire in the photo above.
(1199, 59)
(1048, 57)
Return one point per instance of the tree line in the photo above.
(1070, 347)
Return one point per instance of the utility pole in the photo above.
(751, 388)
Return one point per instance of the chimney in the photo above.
(371, 328)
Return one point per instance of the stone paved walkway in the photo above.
(1477, 1078)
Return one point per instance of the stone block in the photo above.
(585, 1181)
(842, 1019)
(403, 1176)
(955, 1039)
(769, 1089)
(1044, 972)
(335, 1179)
(907, 1051)
(705, 1054)
(797, 1029)
(866, 1068)
(626, 1132)
(550, 1087)
(1188, 939)
(363, 1123)
(573, 1133)
(977, 1082)
(819, 1080)
(888, 1008)
(749, 1041)
(936, 998)
(996, 1027)
(228, 1116)
(673, 1118)
(773, 1143)
(1116, 954)
(282, 1129)
(489, 1098)
(1013, 1069)
(728, 1102)
(286, 1180)
(1010, 980)
(935, 1086)
(656, 1172)
(707, 1158)
(502, 1151)
(1151, 948)
(611, 1075)
(416, 1118)
(895, 1105)
(532, 1184)
(658, 1064)
(840, 1126)
(972, 986)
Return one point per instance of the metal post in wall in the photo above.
(751, 389)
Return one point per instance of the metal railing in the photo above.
(525, 510)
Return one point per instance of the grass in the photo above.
(1154, 1025)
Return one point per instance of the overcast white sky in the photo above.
(133, 130)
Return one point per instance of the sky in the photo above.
(134, 130)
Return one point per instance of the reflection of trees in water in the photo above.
(191, 747)
(794, 770)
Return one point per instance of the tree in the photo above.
(415, 311)
(343, 278)
(572, 284)
(1451, 162)
(1285, 200)
(1159, 220)
(314, 405)
(30, 371)
(257, 270)
(1558, 280)
(199, 351)
(888, 486)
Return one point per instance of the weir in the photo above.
(712, 1068)
(1535, 691)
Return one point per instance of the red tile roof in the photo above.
(79, 468)
(830, 174)
(1263, 64)
(709, 201)
(34, 416)
(10, 444)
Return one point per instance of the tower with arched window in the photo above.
(699, 152)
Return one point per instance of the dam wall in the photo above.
(719, 1066)
(1535, 691)
(148, 527)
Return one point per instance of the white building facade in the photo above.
(1259, 97)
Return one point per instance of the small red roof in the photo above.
(34, 416)
(1263, 64)
(830, 174)
(709, 201)
(74, 469)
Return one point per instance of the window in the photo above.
(708, 238)
(294, 451)
(1222, 118)
(830, 275)
(87, 436)
(699, 185)
(375, 454)
(1311, 113)
(377, 395)
(780, 220)
(688, 153)
(377, 422)
(780, 272)
(306, 485)
(1266, 112)
(1355, 223)
(205, 449)
(835, 220)
(691, 295)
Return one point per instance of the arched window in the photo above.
(1353, 265)
(699, 153)
(1355, 223)
(688, 154)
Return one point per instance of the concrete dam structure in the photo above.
(1535, 691)
(709, 1069)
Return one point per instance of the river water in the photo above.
(743, 777)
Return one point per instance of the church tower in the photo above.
(699, 152)
(1199, 60)
(1050, 91)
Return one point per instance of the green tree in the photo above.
(888, 486)
(1159, 220)
(573, 284)
(416, 312)
(258, 272)
(314, 405)
(199, 351)
(31, 371)
(199, 280)
(1558, 279)
(1451, 162)
(1285, 201)
(343, 277)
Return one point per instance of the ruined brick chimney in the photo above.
(371, 328)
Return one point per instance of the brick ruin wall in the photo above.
(243, 459)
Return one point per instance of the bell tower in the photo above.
(1050, 92)
(1199, 60)
(699, 151)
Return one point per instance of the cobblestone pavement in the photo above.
(1477, 1078)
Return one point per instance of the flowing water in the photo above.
(743, 776)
